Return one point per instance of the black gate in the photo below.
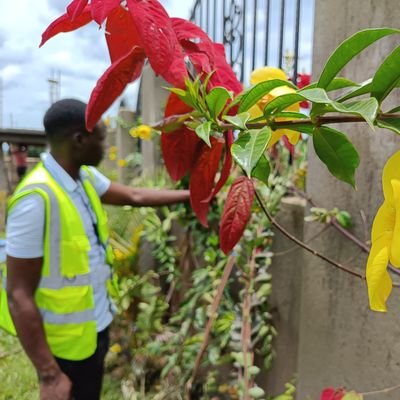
(260, 32)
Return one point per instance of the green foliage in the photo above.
(337, 153)
(258, 91)
(347, 50)
(249, 148)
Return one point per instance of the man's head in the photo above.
(64, 124)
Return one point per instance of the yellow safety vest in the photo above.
(65, 294)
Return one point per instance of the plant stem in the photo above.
(382, 391)
(166, 123)
(302, 244)
(213, 315)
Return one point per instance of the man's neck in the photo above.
(67, 165)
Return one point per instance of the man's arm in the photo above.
(118, 194)
(23, 276)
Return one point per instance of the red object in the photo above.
(121, 33)
(101, 9)
(65, 24)
(236, 213)
(332, 394)
(202, 178)
(303, 80)
(76, 8)
(112, 84)
(226, 169)
(179, 147)
(156, 33)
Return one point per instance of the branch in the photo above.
(382, 391)
(213, 315)
(302, 244)
(169, 124)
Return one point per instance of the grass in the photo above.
(18, 378)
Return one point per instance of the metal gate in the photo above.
(260, 32)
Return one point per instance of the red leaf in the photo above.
(64, 24)
(236, 213)
(224, 74)
(121, 33)
(288, 145)
(156, 33)
(112, 83)
(202, 178)
(102, 8)
(226, 169)
(75, 8)
(332, 394)
(179, 147)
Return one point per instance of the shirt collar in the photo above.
(58, 172)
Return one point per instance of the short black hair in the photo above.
(64, 118)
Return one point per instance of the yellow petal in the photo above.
(276, 136)
(255, 111)
(134, 132)
(378, 279)
(383, 221)
(390, 171)
(395, 245)
(265, 74)
(293, 136)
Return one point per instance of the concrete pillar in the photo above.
(342, 342)
(286, 270)
(125, 143)
(153, 98)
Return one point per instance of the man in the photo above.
(58, 257)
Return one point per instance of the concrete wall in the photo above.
(342, 342)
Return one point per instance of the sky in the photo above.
(80, 57)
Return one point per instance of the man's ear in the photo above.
(77, 138)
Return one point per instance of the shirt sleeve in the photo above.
(25, 228)
(100, 182)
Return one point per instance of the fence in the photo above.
(260, 32)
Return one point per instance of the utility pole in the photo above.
(54, 86)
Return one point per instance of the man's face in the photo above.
(93, 145)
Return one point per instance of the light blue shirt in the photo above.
(25, 231)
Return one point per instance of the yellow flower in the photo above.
(112, 156)
(122, 163)
(113, 149)
(133, 132)
(116, 348)
(142, 131)
(107, 121)
(384, 238)
(265, 74)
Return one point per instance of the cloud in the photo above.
(81, 57)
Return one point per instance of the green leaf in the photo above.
(282, 102)
(344, 219)
(249, 148)
(239, 120)
(258, 91)
(316, 95)
(184, 95)
(352, 396)
(290, 114)
(394, 110)
(203, 132)
(348, 49)
(390, 123)
(387, 76)
(216, 100)
(256, 392)
(262, 170)
(363, 89)
(336, 84)
(365, 108)
(337, 153)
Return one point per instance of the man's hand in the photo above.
(58, 387)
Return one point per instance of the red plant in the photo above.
(332, 394)
(140, 30)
